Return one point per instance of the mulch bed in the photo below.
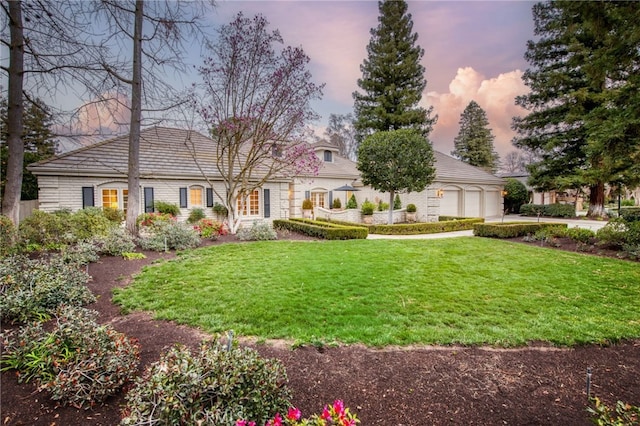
(534, 385)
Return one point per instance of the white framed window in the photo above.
(318, 198)
(196, 196)
(115, 198)
(328, 156)
(251, 205)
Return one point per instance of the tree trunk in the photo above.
(392, 195)
(596, 200)
(15, 108)
(133, 205)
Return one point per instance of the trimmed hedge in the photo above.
(550, 210)
(325, 230)
(512, 229)
(630, 214)
(416, 228)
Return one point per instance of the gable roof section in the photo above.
(451, 170)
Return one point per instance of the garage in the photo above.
(472, 203)
(450, 202)
(493, 204)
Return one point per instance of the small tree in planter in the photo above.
(337, 204)
(397, 204)
(307, 208)
(367, 211)
(352, 203)
(411, 212)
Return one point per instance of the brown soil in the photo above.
(535, 385)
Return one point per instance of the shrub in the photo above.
(630, 214)
(307, 204)
(167, 208)
(45, 230)
(337, 204)
(33, 289)
(397, 204)
(220, 210)
(218, 385)
(81, 253)
(323, 229)
(170, 235)
(210, 229)
(411, 208)
(89, 222)
(628, 203)
(367, 208)
(153, 219)
(114, 215)
(79, 362)
(382, 206)
(352, 203)
(580, 235)
(516, 195)
(195, 215)
(512, 229)
(551, 210)
(116, 242)
(8, 236)
(259, 231)
(622, 414)
(613, 234)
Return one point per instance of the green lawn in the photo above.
(400, 292)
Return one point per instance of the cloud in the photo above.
(496, 96)
(105, 117)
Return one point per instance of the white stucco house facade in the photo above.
(97, 176)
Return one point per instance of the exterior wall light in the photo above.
(440, 193)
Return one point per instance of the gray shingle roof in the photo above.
(448, 169)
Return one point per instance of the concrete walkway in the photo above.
(593, 225)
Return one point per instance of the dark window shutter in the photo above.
(148, 200)
(209, 197)
(330, 199)
(87, 197)
(307, 194)
(266, 194)
(183, 198)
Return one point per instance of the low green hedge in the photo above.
(325, 230)
(512, 229)
(415, 228)
(630, 214)
(550, 210)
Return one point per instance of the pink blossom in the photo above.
(293, 414)
(338, 406)
(326, 414)
(277, 421)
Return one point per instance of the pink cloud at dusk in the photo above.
(496, 96)
(110, 116)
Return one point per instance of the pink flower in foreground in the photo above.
(293, 414)
(277, 421)
(338, 406)
(326, 414)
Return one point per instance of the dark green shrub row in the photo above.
(630, 214)
(33, 289)
(512, 229)
(425, 227)
(320, 229)
(448, 218)
(550, 210)
(79, 362)
(216, 386)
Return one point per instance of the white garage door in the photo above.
(472, 204)
(450, 202)
(493, 204)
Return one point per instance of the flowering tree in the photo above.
(257, 104)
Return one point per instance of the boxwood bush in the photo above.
(512, 229)
(413, 228)
(322, 229)
(550, 210)
(215, 386)
(79, 362)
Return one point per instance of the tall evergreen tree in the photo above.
(392, 77)
(474, 143)
(584, 122)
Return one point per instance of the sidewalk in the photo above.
(593, 225)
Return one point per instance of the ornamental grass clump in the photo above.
(34, 288)
(79, 361)
(218, 385)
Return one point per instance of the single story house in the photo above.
(97, 176)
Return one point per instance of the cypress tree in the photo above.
(474, 143)
(392, 77)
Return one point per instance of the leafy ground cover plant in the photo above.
(34, 288)
(195, 215)
(622, 415)
(152, 219)
(116, 242)
(210, 229)
(218, 385)
(8, 236)
(259, 231)
(170, 235)
(333, 414)
(79, 362)
(170, 209)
